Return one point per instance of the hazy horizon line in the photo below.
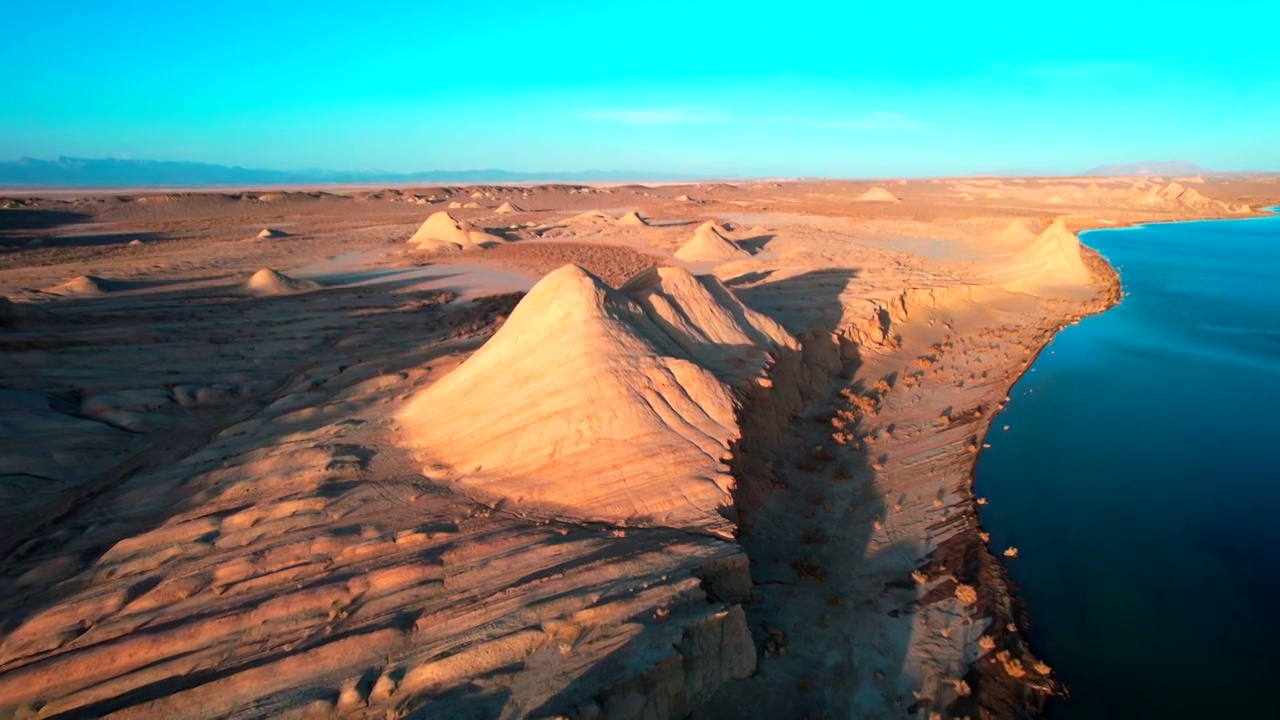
(11, 175)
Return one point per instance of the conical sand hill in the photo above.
(878, 194)
(268, 282)
(604, 404)
(708, 244)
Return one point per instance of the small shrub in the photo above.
(809, 567)
(1012, 666)
(813, 536)
(808, 465)
(966, 594)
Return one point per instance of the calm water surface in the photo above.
(1140, 481)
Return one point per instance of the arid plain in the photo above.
(529, 451)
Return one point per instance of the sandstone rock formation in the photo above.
(602, 404)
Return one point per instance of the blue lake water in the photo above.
(1140, 481)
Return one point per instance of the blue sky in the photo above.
(735, 88)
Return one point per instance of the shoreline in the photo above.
(1113, 290)
(1001, 586)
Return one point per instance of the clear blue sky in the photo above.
(743, 87)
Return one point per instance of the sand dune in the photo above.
(632, 218)
(1051, 261)
(507, 208)
(271, 282)
(579, 366)
(83, 285)
(878, 194)
(1020, 232)
(591, 217)
(709, 244)
(443, 233)
(269, 233)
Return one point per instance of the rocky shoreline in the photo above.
(997, 693)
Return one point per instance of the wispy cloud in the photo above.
(654, 116)
(868, 122)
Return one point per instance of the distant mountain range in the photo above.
(1149, 168)
(69, 172)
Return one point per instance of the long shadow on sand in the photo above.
(14, 220)
(806, 508)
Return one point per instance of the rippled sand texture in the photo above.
(451, 452)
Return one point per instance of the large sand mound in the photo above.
(878, 194)
(507, 208)
(1020, 232)
(442, 233)
(632, 218)
(708, 244)
(83, 285)
(590, 217)
(602, 404)
(270, 282)
(1172, 196)
(1051, 261)
(441, 227)
(1171, 191)
(269, 233)
(1192, 198)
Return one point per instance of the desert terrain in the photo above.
(537, 451)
